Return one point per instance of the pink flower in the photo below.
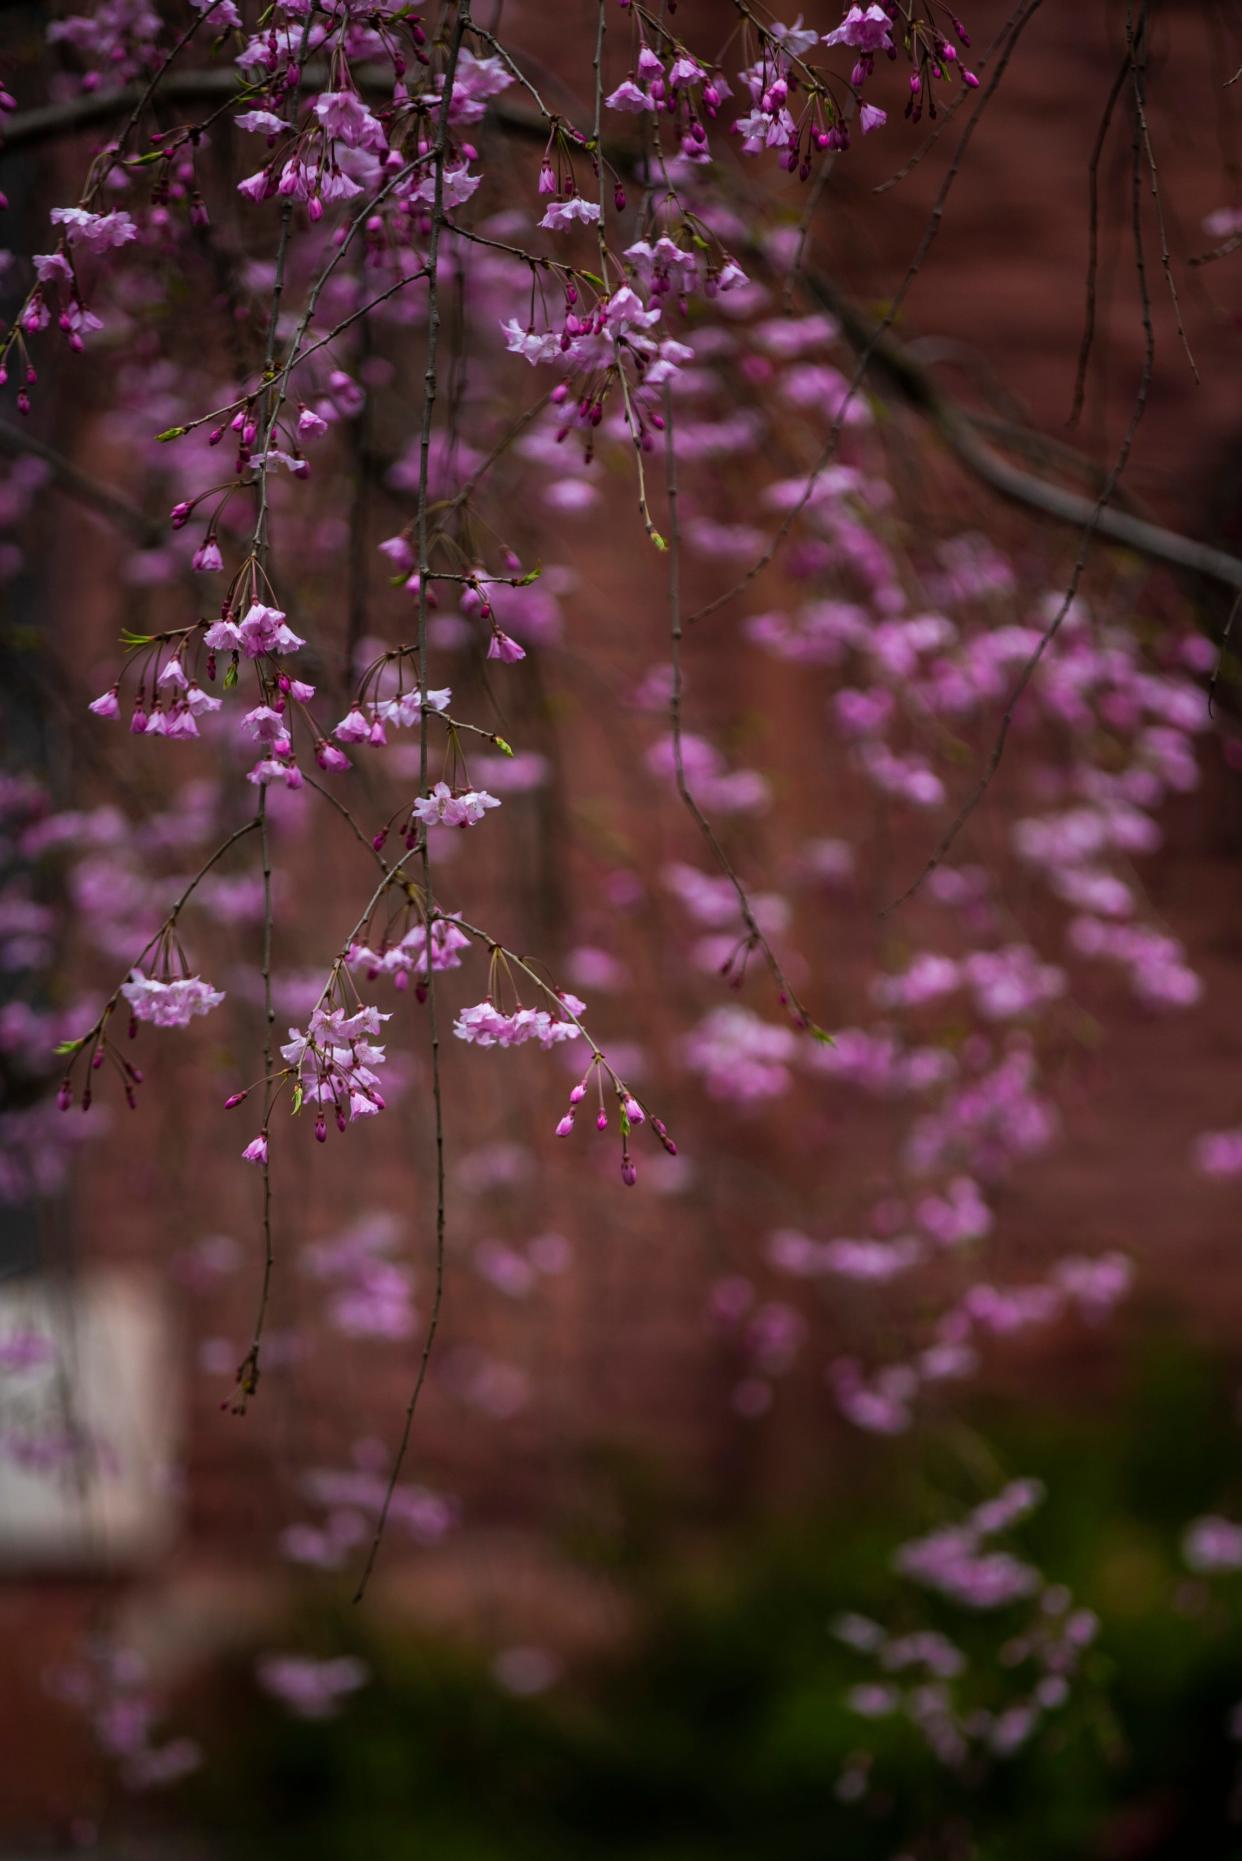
(410, 955)
(535, 348)
(355, 728)
(265, 724)
(199, 702)
(264, 631)
(1219, 1153)
(297, 467)
(345, 116)
(99, 231)
(181, 724)
(1213, 1544)
(207, 556)
(108, 705)
(335, 1060)
(257, 186)
(311, 1689)
(406, 711)
(563, 213)
(628, 96)
(484, 1026)
(256, 1149)
(51, 267)
(500, 646)
(869, 29)
(442, 808)
(169, 1004)
(270, 770)
(261, 122)
(871, 118)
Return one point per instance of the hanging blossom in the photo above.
(337, 1053)
(262, 630)
(446, 808)
(485, 1026)
(169, 1004)
(311, 1689)
(365, 722)
(410, 955)
(331, 1063)
(99, 232)
(564, 213)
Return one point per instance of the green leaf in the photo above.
(230, 675)
(658, 540)
(171, 432)
(506, 749)
(533, 576)
(136, 639)
(592, 278)
(297, 1100)
(821, 1035)
(68, 1046)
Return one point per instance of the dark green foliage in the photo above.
(722, 1732)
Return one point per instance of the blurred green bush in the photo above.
(723, 1732)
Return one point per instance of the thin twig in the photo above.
(424, 474)
(1137, 49)
(1093, 243)
(755, 937)
(78, 484)
(1224, 648)
(1019, 19)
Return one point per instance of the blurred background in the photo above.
(685, 1559)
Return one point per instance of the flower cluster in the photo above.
(485, 1026)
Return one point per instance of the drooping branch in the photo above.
(894, 366)
(79, 485)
